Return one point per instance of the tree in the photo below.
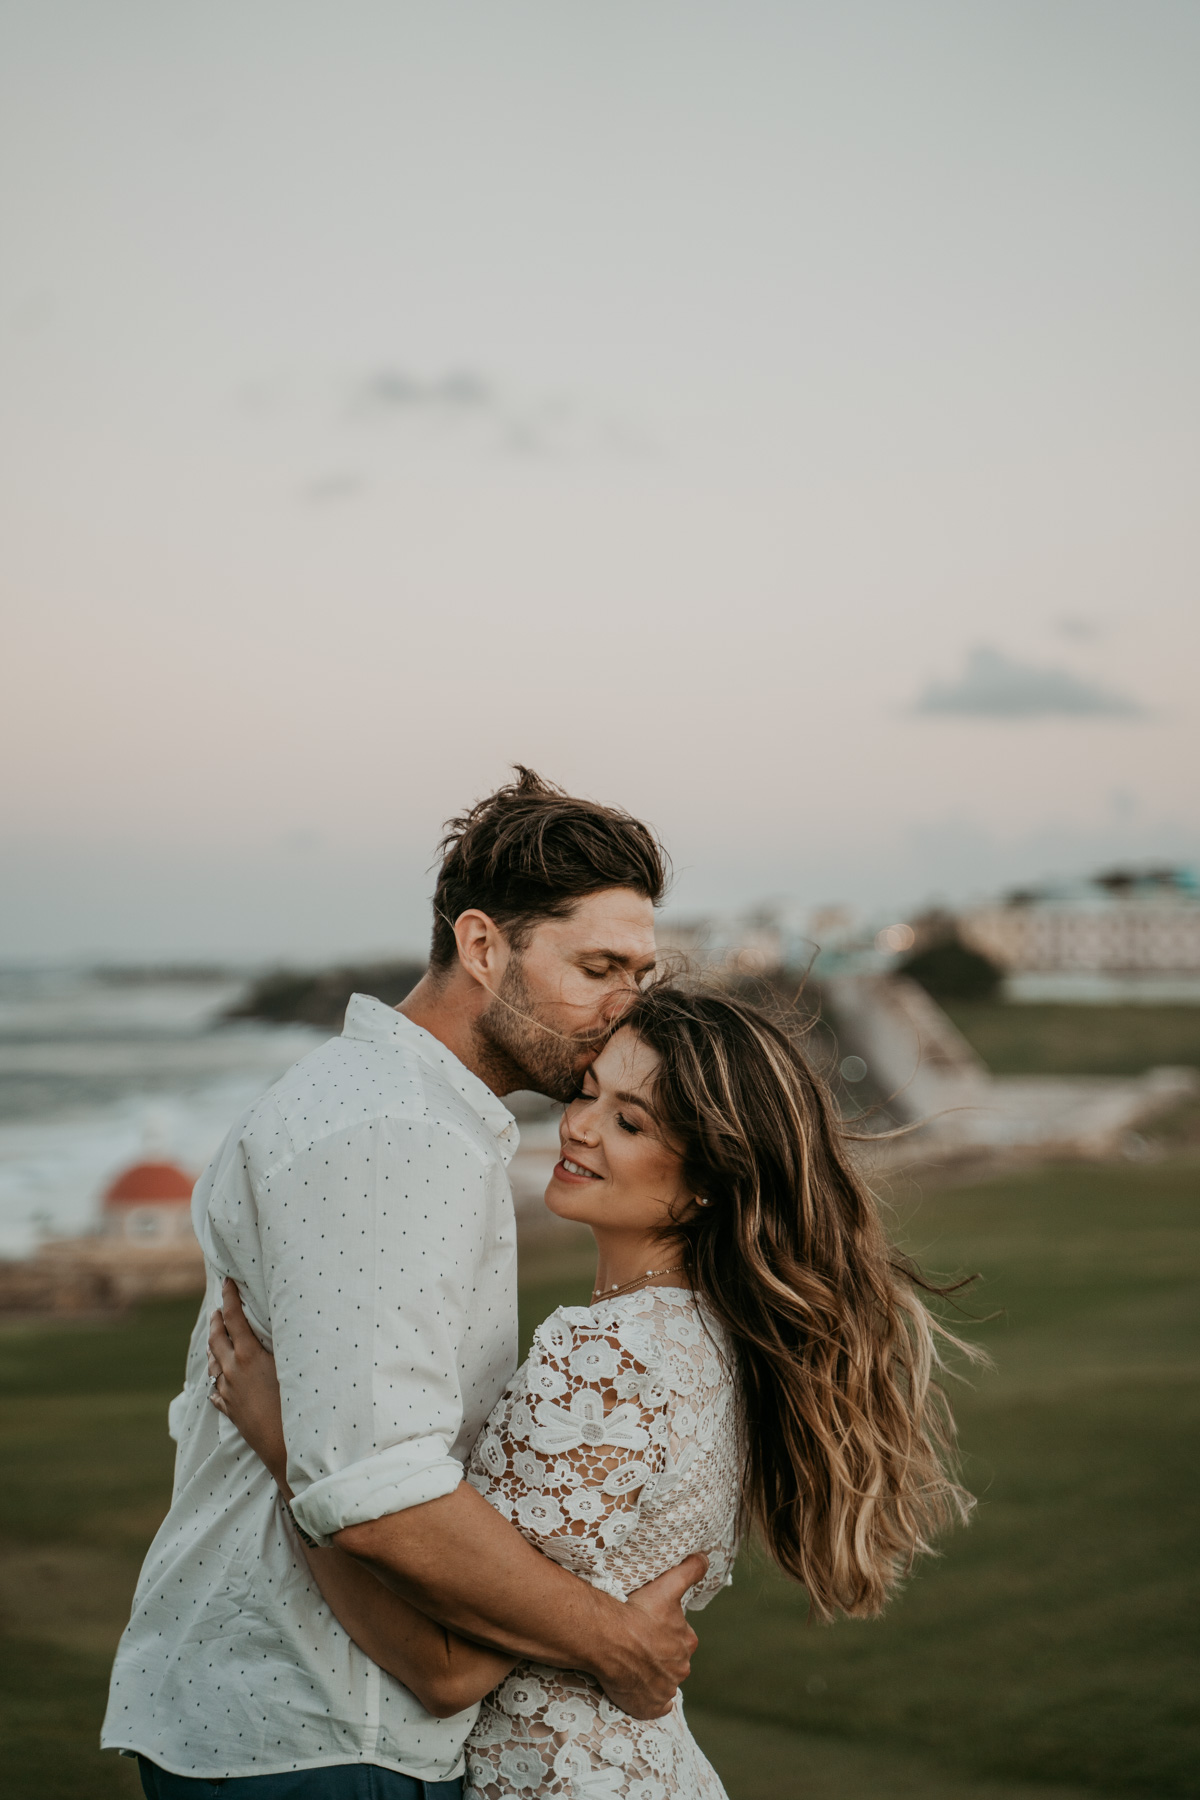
(949, 971)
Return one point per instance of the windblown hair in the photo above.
(529, 852)
(849, 1439)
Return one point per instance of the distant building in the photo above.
(779, 938)
(1123, 929)
(145, 1249)
(728, 944)
(149, 1204)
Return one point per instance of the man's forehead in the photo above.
(616, 922)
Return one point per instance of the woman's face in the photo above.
(616, 1173)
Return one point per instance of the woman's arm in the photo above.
(445, 1672)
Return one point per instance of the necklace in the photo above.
(627, 1287)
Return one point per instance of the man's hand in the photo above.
(458, 1561)
(657, 1655)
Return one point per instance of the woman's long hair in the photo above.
(848, 1436)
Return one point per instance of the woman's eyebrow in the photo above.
(633, 1100)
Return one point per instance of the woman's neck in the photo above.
(622, 1259)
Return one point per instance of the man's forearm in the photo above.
(461, 1563)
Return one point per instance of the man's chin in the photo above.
(559, 1087)
(539, 1058)
(561, 1083)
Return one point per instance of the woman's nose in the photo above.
(579, 1122)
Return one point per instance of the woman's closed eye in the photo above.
(628, 1125)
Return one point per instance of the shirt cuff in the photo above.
(407, 1475)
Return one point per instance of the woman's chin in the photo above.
(567, 1202)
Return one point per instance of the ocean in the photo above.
(99, 1069)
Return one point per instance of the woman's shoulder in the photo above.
(569, 1331)
(649, 1308)
(656, 1326)
(676, 1314)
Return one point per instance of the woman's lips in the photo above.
(562, 1173)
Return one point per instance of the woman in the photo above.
(754, 1355)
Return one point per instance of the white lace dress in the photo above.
(616, 1451)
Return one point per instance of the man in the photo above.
(363, 1209)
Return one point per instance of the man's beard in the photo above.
(522, 1050)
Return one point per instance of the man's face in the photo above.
(560, 997)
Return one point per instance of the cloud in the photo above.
(340, 486)
(548, 427)
(1076, 626)
(995, 686)
(458, 392)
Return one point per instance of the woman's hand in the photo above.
(244, 1384)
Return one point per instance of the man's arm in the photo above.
(456, 1559)
(372, 1286)
(530, 1601)
(445, 1672)
(441, 1668)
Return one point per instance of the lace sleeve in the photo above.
(574, 1453)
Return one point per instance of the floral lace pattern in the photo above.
(615, 1450)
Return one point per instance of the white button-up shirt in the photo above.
(363, 1208)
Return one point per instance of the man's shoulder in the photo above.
(346, 1085)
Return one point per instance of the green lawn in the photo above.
(1050, 1652)
(85, 1476)
(1078, 1040)
(1055, 1641)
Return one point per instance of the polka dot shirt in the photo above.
(364, 1210)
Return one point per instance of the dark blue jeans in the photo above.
(348, 1781)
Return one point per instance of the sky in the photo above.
(779, 419)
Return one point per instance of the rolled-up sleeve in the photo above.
(373, 1241)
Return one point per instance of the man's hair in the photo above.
(529, 852)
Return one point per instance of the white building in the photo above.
(1124, 933)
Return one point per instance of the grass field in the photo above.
(1050, 1652)
(1078, 1040)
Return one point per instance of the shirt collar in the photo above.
(371, 1022)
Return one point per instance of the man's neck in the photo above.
(448, 1009)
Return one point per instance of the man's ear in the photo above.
(482, 949)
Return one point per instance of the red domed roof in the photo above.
(148, 1183)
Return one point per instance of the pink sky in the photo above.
(666, 397)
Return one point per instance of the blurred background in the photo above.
(780, 420)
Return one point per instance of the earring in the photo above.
(701, 1201)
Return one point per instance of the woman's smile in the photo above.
(567, 1170)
